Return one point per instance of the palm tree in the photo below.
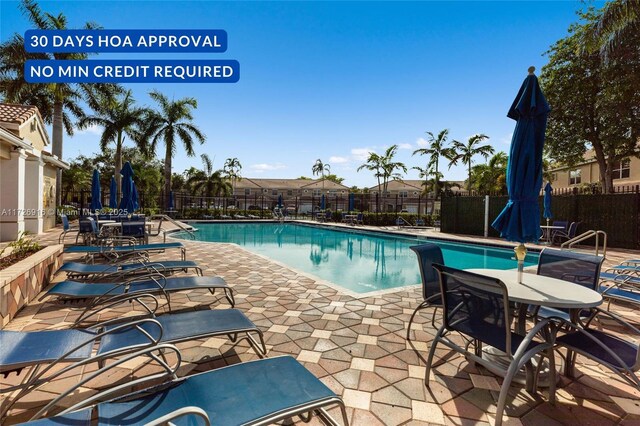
(118, 116)
(389, 167)
(172, 123)
(491, 177)
(465, 153)
(211, 183)
(320, 168)
(435, 150)
(232, 168)
(57, 102)
(618, 18)
(373, 164)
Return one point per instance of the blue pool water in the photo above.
(356, 260)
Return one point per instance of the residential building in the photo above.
(297, 194)
(408, 195)
(27, 172)
(587, 172)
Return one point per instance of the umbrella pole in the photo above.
(521, 253)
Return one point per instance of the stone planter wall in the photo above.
(20, 283)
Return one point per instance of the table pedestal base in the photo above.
(501, 362)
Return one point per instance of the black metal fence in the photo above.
(617, 214)
(187, 205)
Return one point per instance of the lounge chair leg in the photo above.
(229, 295)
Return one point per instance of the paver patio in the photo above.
(356, 346)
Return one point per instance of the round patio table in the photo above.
(537, 290)
(547, 232)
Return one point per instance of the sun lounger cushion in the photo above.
(139, 247)
(19, 349)
(233, 395)
(87, 268)
(180, 327)
(83, 290)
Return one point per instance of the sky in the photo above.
(337, 80)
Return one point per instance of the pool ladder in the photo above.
(568, 245)
(277, 214)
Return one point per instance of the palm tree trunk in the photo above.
(56, 147)
(167, 177)
(469, 179)
(118, 166)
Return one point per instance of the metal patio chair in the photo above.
(428, 254)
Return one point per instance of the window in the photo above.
(317, 192)
(621, 169)
(403, 194)
(575, 177)
(290, 192)
(247, 191)
(274, 192)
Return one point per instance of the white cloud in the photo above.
(361, 154)
(263, 167)
(405, 146)
(91, 130)
(338, 160)
(422, 142)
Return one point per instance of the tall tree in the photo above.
(320, 168)
(435, 150)
(118, 116)
(57, 102)
(211, 183)
(373, 164)
(390, 168)
(491, 177)
(595, 102)
(170, 124)
(465, 153)
(232, 168)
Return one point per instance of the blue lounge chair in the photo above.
(77, 270)
(257, 392)
(20, 349)
(621, 287)
(116, 252)
(108, 294)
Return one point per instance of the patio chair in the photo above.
(360, 219)
(115, 252)
(428, 254)
(113, 271)
(66, 228)
(579, 268)
(419, 222)
(259, 392)
(105, 295)
(620, 355)
(560, 236)
(477, 307)
(73, 348)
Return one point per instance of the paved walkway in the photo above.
(354, 345)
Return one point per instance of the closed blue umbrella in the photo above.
(547, 202)
(519, 221)
(134, 196)
(113, 193)
(126, 202)
(171, 203)
(352, 201)
(280, 201)
(96, 203)
(322, 202)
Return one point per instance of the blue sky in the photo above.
(336, 80)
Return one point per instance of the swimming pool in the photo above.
(358, 261)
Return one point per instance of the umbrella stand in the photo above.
(521, 253)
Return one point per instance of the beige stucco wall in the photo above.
(590, 173)
(5, 151)
(48, 196)
(34, 136)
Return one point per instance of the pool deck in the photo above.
(355, 345)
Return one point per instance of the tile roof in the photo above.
(14, 113)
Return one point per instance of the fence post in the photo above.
(486, 216)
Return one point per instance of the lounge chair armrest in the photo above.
(150, 305)
(169, 371)
(181, 412)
